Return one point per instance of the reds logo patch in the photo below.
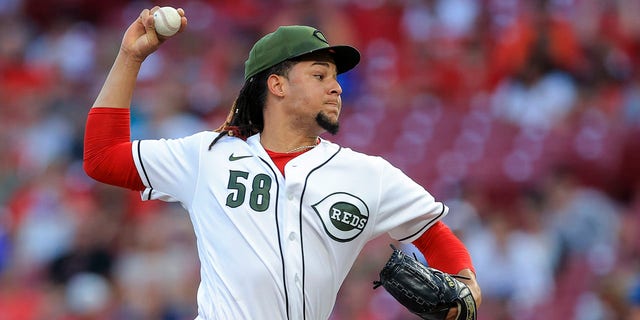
(343, 215)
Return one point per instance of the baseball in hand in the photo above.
(167, 21)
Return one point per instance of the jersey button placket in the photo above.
(293, 253)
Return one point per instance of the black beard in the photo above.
(325, 123)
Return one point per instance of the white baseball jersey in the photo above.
(276, 248)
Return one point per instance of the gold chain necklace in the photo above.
(302, 148)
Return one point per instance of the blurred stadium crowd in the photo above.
(523, 116)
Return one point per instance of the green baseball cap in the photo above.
(289, 42)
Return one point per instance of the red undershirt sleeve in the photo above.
(107, 148)
(443, 250)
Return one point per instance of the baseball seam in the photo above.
(166, 23)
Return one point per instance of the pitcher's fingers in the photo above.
(183, 20)
(146, 17)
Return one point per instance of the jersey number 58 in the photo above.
(259, 195)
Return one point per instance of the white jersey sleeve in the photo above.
(406, 208)
(169, 167)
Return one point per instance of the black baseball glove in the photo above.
(425, 291)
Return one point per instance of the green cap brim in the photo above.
(345, 57)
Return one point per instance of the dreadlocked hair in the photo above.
(245, 117)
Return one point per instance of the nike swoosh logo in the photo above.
(234, 158)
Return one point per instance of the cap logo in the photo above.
(320, 36)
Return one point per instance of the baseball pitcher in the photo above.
(280, 214)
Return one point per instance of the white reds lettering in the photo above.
(347, 218)
(335, 214)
